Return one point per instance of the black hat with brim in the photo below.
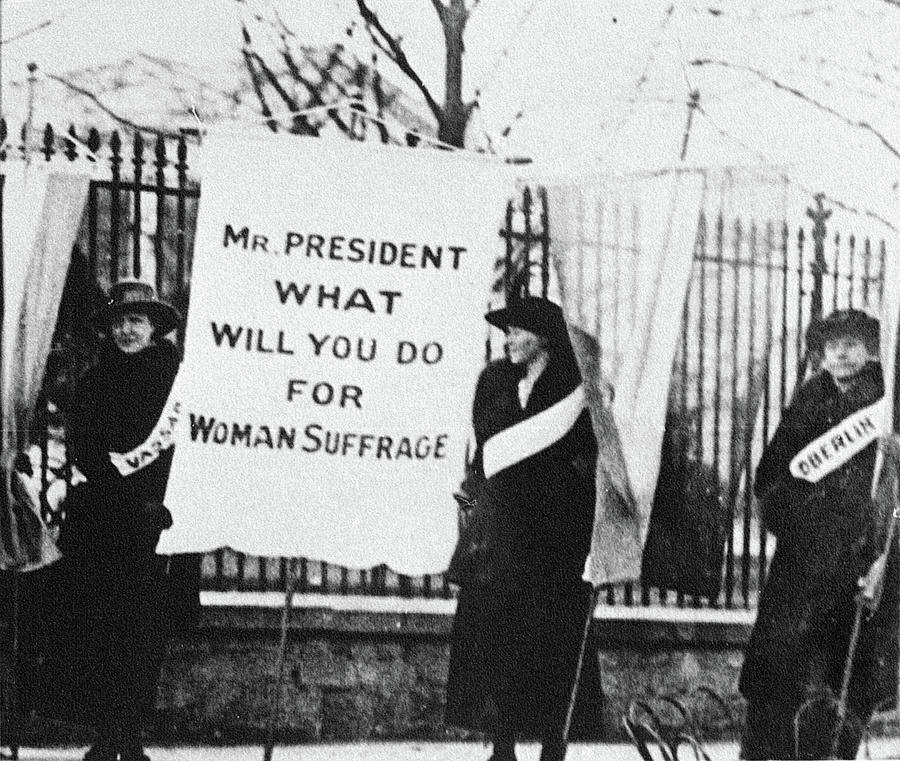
(534, 314)
(136, 296)
(843, 322)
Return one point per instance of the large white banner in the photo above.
(334, 337)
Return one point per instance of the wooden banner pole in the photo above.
(277, 702)
(573, 695)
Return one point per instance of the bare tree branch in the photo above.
(504, 52)
(863, 125)
(314, 92)
(300, 123)
(395, 51)
(260, 95)
(508, 128)
(272, 79)
(786, 178)
(380, 102)
(255, 81)
(451, 113)
(107, 110)
(441, 10)
(172, 68)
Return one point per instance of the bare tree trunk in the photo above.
(455, 116)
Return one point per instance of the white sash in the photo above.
(532, 435)
(837, 445)
(160, 439)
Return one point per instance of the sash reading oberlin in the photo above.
(315, 439)
(838, 445)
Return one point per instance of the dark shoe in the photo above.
(100, 751)
(553, 751)
(504, 747)
(133, 751)
(137, 754)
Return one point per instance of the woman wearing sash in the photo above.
(522, 603)
(814, 482)
(115, 517)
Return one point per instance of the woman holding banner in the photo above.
(520, 617)
(814, 482)
(116, 440)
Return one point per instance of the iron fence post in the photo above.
(819, 215)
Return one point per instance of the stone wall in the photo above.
(380, 673)
(374, 668)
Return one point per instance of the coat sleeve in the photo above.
(584, 443)
(779, 493)
(481, 426)
(83, 439)
(490, 414)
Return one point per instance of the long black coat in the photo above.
(113, 408)
(110, 632)
(515, 641)
(827, 538)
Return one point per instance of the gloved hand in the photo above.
(157, 516)
(890, 446)
(871, 585)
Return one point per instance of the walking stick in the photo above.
(4, 505)
(570, 710)
(13, 685)
(867, 600)
(278, 692)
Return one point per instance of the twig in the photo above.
(393, 49)
(257, 85)
(863, 125)
(786, 178)
(107, 110)
(314, 92)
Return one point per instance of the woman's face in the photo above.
(522, 345)
(132, 331)
(845, 357)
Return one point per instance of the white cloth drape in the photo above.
(623, 250)
(42, 210)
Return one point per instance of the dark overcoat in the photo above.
(108, 635)
(827, 537)
(516, 639)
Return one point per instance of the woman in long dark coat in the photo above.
(828, 537)
(115, 519)
(520, 615)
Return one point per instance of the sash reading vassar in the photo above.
(160, 439)
(837, 445)
(532, 435)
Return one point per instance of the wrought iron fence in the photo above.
(753, 289)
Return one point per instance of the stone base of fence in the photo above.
(362, 668)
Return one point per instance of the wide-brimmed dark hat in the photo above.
(533, 313)
(136, 296)
(843, 322)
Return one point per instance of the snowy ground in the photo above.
(414, 751)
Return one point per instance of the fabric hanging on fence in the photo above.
(623, 252)
(42, 210)
(334, 337)
(889, 339)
